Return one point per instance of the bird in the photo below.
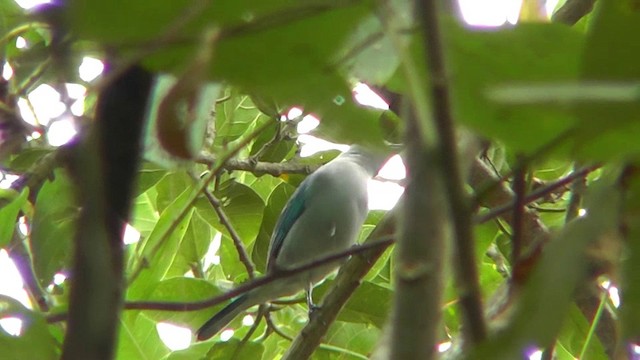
(323, 217)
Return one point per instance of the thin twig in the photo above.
(276, 329)
(578, 188)
(375, 245)
(226, 222)
(538, 193)
(519, 189)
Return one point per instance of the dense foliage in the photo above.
(549, 121)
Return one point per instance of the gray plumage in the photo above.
(322, 217)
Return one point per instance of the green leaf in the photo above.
(170, 187)
(145, 215)
(148, 176)
(610, 129)
(10, 15)
(370, 304)
(251, 52)
(227, 350)
(348, 341)
(9, 215)
(235, 117)
(35, 341)
(574, 334)
(53, 227)
(193, 247)
(195, 351)
(139, 339)
(159, 250)
(26, 158)
(273, 151)
(183, 289)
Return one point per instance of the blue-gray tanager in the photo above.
(323, 217)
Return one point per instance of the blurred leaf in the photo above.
(610, 129)
(34, 342)
(26, 158)
(10, 15)
(527, 53)
(251, 52)
(370, 55)
(9, 215)
(574, 334)
(630, 279)
(52, 227)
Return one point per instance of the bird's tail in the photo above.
(223, 317)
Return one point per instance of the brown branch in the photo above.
(572, 11)
(465, 268)
(261, 168)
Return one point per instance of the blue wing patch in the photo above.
(292, 211)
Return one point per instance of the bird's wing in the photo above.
(293, 210)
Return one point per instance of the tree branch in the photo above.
(465, 268)
(261, 168)
(111, 151)
(572, 11)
